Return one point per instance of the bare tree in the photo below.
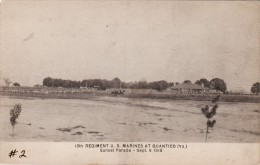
(7, 81)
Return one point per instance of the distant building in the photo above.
(83, 87)
(95, 87)
(185, 87)
(38, 86)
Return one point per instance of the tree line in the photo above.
(103, 84)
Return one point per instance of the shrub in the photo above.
(14, 114)
(209, 111)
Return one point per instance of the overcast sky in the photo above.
(132, 40)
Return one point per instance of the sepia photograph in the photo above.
(129, 71)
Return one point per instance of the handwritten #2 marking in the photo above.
(14, 152)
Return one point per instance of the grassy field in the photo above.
(224, 98)
(139, 94)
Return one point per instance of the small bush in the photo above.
(14, 114)
(209, 111)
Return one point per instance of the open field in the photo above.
(138, 94)
(197, 97)
(127, 119)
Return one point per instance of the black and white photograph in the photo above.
(129, 71)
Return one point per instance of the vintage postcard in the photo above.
(129, 82)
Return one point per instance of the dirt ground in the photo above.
(114, 119)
